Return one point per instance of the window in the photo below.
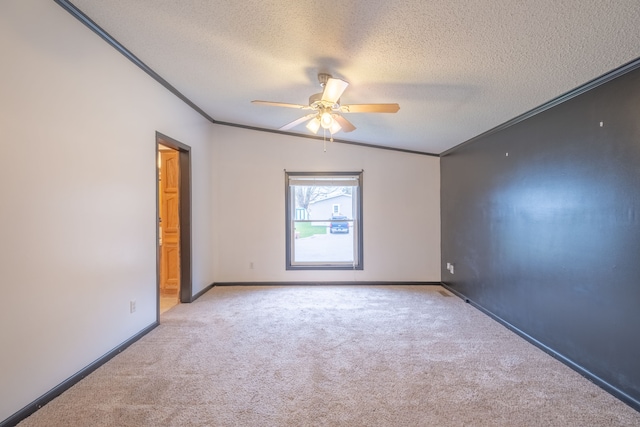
(323, 220)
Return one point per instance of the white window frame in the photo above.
(329, 179)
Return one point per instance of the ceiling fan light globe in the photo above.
(326, 120)
(314, 125)
(335, 127)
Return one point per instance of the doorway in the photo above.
(173, 222)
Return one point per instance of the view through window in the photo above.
(324, 220)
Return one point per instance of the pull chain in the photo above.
(324, 139)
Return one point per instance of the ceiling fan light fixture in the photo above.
(335, 127)
(326, 120)
(314, 125)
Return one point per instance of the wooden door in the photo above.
(169, 222)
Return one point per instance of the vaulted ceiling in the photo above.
(457, 68)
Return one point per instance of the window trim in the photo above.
(357, 223)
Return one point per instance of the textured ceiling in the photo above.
(457, 68)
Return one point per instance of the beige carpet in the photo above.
(332, 356)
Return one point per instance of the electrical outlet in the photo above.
(132, 306)
(451, 269)
(251, 265)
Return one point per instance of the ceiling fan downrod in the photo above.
(323, 78)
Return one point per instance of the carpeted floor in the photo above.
(332, 356)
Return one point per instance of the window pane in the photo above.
(324, 215)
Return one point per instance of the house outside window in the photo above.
(323, 220)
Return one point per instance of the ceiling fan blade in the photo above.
(333, 90)
(297, 122)
(370, 108)
(282, 104)
(346, 125)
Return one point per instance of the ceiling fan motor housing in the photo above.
(315, 98)
(316, 102)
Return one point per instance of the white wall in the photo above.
(401, 207)
(78, 196)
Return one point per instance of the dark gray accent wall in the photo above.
(541, 221)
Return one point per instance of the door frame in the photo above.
(184, 206)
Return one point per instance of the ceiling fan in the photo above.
(327, 109)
